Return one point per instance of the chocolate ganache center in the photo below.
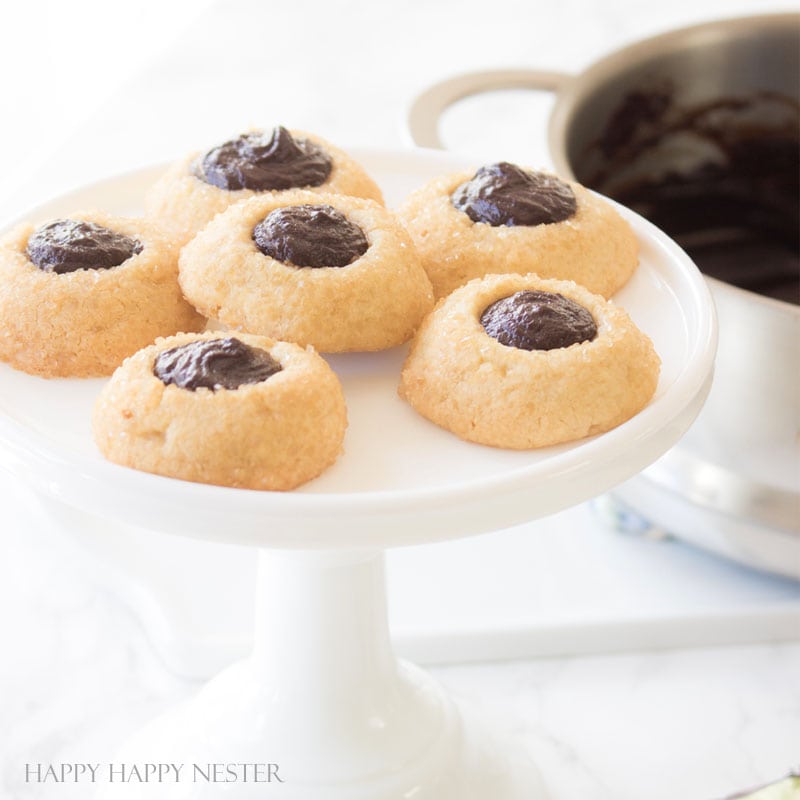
(535, 320)
(214, 364)
(310, 236)
(67, 245)
(505, 194)
(264, 161)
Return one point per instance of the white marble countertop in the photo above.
(94, 98)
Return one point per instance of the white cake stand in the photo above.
(323, 697)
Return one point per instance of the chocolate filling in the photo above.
(67, 245)
(310, 236)
(505, 194)
(722, 178)
(534, 320)
(264, 161)
(214, 364)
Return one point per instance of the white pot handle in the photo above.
(427, 108)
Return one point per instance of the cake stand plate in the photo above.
(323, 698)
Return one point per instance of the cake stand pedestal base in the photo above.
(323, 710)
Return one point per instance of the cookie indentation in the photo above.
(214, 364)
(310, 236)
(67, 245)
(536, 320)
(263, 161)
(505, 194)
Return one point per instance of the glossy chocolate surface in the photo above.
(214, 364)
(67, 245)
(505, 194)
(722, 178)
(265, 161)
(536, 320)
(310, 236)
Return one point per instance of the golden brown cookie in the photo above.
(197, 188)
(279, 423)
(64, 318)
(372, 302)
(469, 382)
(585, 240)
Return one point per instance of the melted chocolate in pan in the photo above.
(723, 179)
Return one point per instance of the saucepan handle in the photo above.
(427, 108)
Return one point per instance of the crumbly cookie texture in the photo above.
(183, 204)
(84, 323)
(595, 248)
(374, 303)
(272, 435)
(462, 379)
